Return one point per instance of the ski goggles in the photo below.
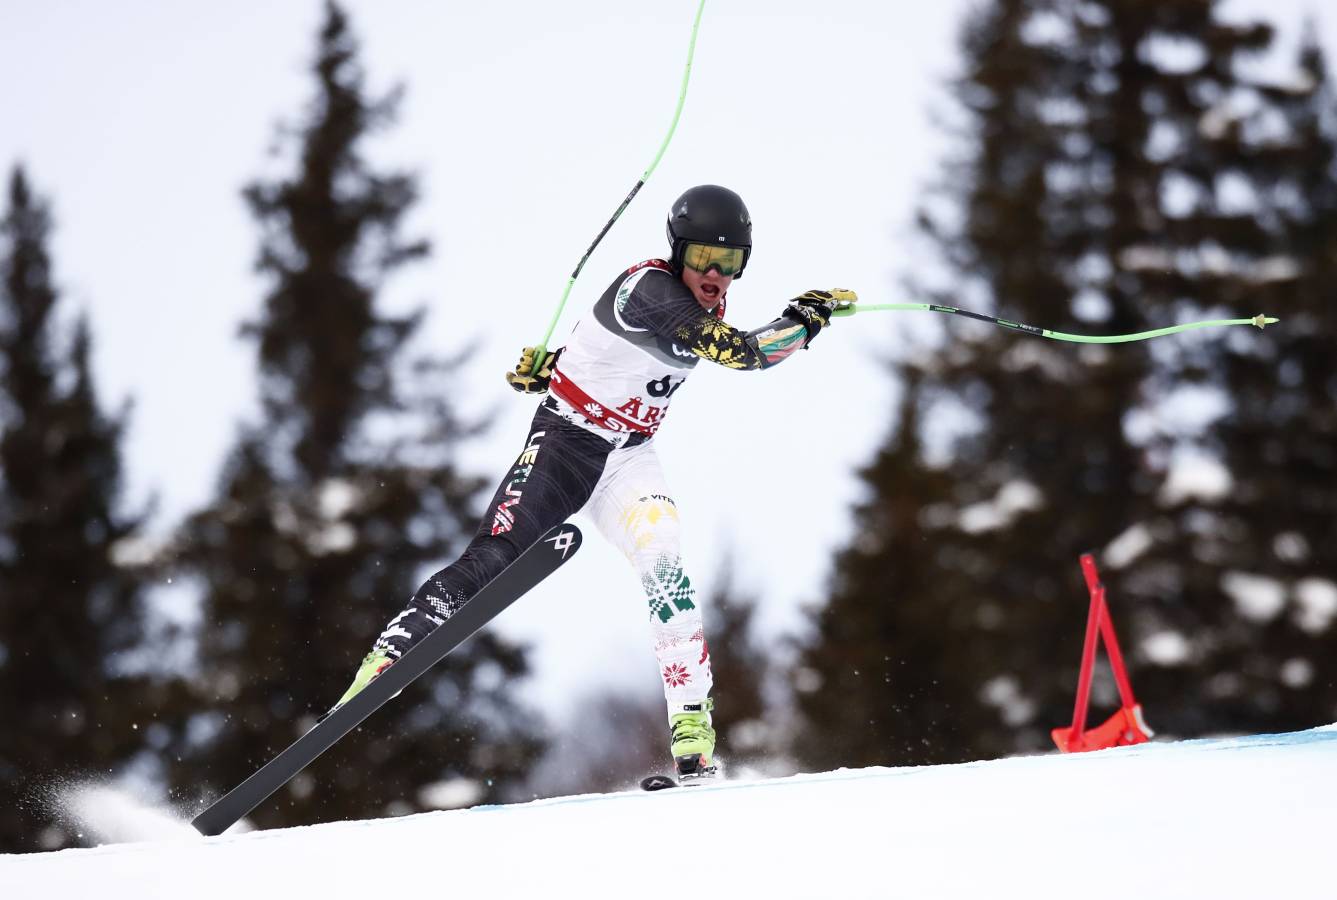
(704, 257)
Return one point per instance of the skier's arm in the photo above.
(719, 342)
(664, 305)
(803, 318)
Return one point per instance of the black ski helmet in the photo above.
(709, 214)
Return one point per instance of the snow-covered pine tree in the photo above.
(70, 613)
(1259, 624)
(335, 504)
(1117, 172)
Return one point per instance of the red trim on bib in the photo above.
(661, 264)
(569, 393)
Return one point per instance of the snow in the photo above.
(1167, 648)
(1195, 474)
(1223, 818)
(1014, 498)
(1317, 602)
(1257, 597)
(117, 816)
(1004, 692)
(1297, 673)
(1127, 547)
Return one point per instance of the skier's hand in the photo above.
(814, 308)
(531, 377)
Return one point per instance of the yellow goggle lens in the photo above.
(702, 257)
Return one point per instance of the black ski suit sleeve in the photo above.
(663, 304)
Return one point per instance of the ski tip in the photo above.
(210, 825)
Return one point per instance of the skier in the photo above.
(590, 447)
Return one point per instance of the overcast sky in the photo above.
(528, 122)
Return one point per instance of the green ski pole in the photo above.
(1258, 321)
(541, 350)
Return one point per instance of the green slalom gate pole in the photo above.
(541, 350)
(1257, 321)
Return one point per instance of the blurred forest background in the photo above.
(1112, 171)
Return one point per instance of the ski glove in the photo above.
(529, 377)
(813, 309)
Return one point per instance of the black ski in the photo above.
(664, 782)
(535, 564)
(659, 783)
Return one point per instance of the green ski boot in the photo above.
(373, 664)
(693, 738)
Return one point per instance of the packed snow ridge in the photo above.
(1240, 817)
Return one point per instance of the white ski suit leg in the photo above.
(633, 509)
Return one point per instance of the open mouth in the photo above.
(711, 291)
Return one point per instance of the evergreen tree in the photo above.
(324, 524)
(879, 679)
(1260, 606)
(1098, 191)
(70, 615)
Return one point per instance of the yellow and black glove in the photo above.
(529, 377)
(814, 308)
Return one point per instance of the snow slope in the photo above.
(1247, 817)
